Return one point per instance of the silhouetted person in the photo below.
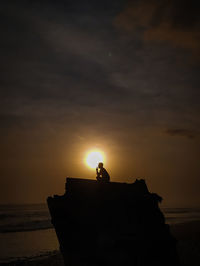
(102, 174)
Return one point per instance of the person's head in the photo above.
(100, 165)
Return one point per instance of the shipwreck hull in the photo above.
(111, 224)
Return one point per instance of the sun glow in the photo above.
(93, 157)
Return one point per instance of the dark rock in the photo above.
(111, 224)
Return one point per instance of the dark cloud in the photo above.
(175, 22)
(56, 56)
(47, 55)
(190, 134)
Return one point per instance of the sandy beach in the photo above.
(188, 246)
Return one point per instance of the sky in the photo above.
(120, 76)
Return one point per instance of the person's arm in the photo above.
(98, 174)
(101, 172)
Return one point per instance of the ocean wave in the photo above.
(37, 217)
(24, 215)
(26, 226)
(180, 210)
(5, 216)
(166, 210)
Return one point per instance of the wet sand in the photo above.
(188, 246)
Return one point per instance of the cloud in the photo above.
(48, 55)
(56, 63)
(174, 22)
(190, 134)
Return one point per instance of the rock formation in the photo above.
(111, 224)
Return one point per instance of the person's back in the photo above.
(105, 175)
(102, 174)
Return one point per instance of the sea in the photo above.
(26, 230)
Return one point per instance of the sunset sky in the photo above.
(119, 76)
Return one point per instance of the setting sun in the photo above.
(93, 158)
